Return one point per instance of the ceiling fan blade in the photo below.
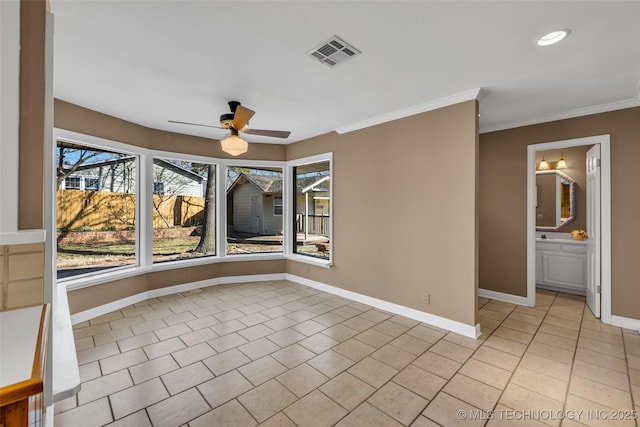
(195, 124)
(272, 133)
(241, 117)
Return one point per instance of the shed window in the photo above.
(277, 206)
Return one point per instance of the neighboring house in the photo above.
(254, 202)
(118, 176)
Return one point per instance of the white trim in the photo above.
(48, 416)
(22, 237)
(290, 194)
(49, 287)
(500, 296)
(9, 116)
(144, 208)
(169, 290)
(66, 374)
(421, 316)
(441, 322)
(416, 109)
(605, 219)
(625, 322)
(579, 112)
(144, 183)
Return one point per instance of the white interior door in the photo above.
(593, 230)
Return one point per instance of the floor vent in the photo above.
(333, 52)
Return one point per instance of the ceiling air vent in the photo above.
(333, 52)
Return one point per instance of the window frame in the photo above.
(73, 177)
(89, 141)
(222, 202)
(290, 233)
(144, 209)
(98, 186)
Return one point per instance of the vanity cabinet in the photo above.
(561, 265)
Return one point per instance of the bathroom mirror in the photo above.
(556, 200)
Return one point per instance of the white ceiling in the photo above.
(152, 61)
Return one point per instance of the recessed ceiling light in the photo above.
(553, 37)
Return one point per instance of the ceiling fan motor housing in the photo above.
(226, 120)
(233, 105)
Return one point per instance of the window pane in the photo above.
(312, 207)
(253, 225)
(96, 209)
(184, 209)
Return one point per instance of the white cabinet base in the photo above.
(561, 266)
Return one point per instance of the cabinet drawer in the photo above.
(575, 249)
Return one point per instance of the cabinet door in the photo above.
(563, 269)
(539, 276)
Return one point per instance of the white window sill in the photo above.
(319, 262)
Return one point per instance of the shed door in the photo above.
(255, 213)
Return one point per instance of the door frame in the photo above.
(605, 215)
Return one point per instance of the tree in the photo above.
(207, 242)
(67, 155)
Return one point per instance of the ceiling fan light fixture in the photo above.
(234, 145)
(553, 37)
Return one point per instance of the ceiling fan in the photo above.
(238, 121)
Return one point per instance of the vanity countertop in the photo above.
(561, 241)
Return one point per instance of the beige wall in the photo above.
(503, 176)
(22, 266)
(404, 207)
(419, 231)
(94, 296)
(32, 110)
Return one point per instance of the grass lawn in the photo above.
(74, 255)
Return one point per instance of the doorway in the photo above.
(603, 239)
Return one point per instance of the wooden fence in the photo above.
(318, 224)
(103, 210)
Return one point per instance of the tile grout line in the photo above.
(519, 358)
(291, 291)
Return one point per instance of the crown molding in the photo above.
(596, 109)
(477, 93)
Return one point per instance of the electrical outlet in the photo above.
(426, 298)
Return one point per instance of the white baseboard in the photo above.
(431, 319)
(625, 322)
(154, 293)
(421, 316)
(500, 296)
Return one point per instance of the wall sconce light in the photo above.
(543, 166)
(562, 164)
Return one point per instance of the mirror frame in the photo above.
(564, 179)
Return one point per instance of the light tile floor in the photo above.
(281, 354)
